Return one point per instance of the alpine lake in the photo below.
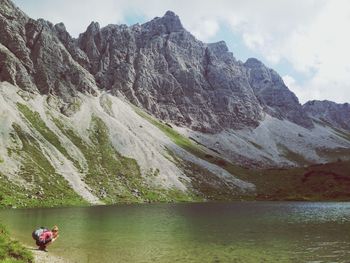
(193, 232)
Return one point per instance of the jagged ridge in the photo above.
(336, 114)
(158, 65)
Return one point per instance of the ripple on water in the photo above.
(210, 232)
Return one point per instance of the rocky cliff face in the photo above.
(33, 57)
(275, 97)
(336, 114)
(163, 68)
(158, 66)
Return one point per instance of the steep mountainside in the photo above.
(33, 58)
(105, 152)
(158, 65)
(163, 68)
(278, 101)
(337, 115)
(144, 113)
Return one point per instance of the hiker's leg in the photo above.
(42, 247)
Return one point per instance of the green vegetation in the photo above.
(117, 179)
(12, 195)
(113, 177)
(206, 185)
(107, 170)
(12, 251)
(176, 137)
(196, 149)
(184, 142)
(316, 182)
(334, 155)
(44, 186)
(293, 156)
(106, 104)
(37, 123)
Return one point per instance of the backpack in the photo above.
(37, 233)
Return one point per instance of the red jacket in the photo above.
(46, 236)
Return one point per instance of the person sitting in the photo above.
(45, 237)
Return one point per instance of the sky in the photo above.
(306, 41)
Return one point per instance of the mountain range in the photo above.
(148, 113)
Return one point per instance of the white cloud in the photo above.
(205, 29)
(302, 93)
(76, 15)
(310, 34)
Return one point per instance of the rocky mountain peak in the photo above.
(170, 22)
(93, 28)
(62, 33)
(170, 13)
(9, 10)
(263, 76)
(157, 65)
(254, 63)
(274, 95)
(218, 47)
(61, 27)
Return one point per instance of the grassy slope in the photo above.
(12, 251)
(318, 182)
(48, 188)
(35, 120)
(113, 177)
(45, 187)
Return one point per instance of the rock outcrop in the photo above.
(157, 65)
(338, 115)
(33, 57)
(163, 68)
(275, 97)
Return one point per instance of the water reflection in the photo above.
(210, 232)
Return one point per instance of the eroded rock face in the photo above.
(163, 68)
(338, 115)
(16, 65)
(157, 65)
(33, 57)
(275, 97)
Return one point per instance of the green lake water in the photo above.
(205, 232)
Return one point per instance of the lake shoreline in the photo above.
(180, 203)
(46, 257)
